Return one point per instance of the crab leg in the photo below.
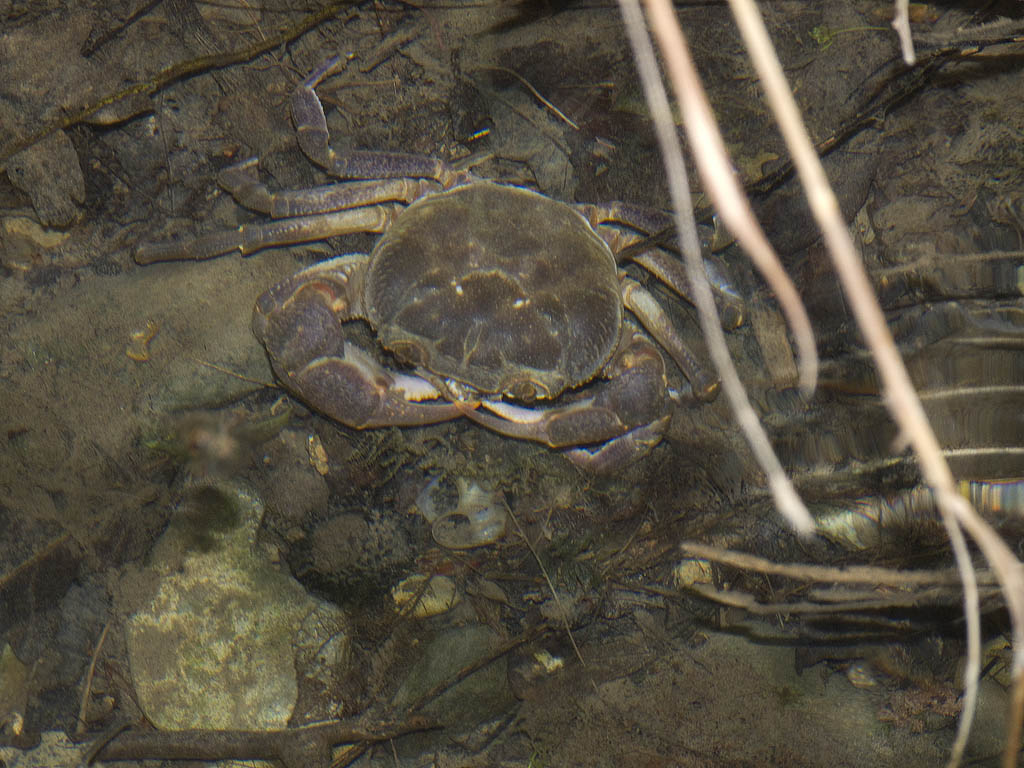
(664, 266)
(641, 218)
(670, 271)
(355, 390)
(248, 238)
(621, 450)
(316, 214)
(243, 183)
(314, 140)
(649, 312)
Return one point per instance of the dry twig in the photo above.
(308, 746)
(856, 574)
(901, 23)
(174, 73)
(881, 602)
(732, 204)
(786, 498)
(87, 688)
(901, 399)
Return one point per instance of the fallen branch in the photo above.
(856, 574)
(310, 746)
(900, 397)
(171, 74)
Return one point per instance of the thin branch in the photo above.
(171, 74)
(308, 746)
(901, 23)
(903, 403)
(551, 586)
(881, 602)
(854, 574)
(536, 94)
(731, 202)
(785, 495)
(83, 710)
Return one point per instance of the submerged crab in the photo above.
(498, 298)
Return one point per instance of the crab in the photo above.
(502, 305)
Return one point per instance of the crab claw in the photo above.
(580, 422)
(609, 455)
(357, 391)
(302, 323)
(621, 450)
(624, 418)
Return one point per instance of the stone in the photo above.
(217, 645)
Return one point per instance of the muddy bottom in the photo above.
(188, 543)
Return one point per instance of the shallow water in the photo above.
(128, 391)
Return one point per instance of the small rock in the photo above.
(218, 642)
(49, 173)
(433, 597)
(480, 697)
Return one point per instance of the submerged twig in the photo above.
(87, 688)
(171, 74)
(854, 574)
(526, 84)
(882, 602)
(305, 747)
(551, 586)
(233, 374)
(450, 682)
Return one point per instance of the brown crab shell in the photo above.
(497, 287)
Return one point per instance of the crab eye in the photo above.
(527, 390)
(409, 352)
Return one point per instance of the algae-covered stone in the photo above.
(481, 696)
(216, 646)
